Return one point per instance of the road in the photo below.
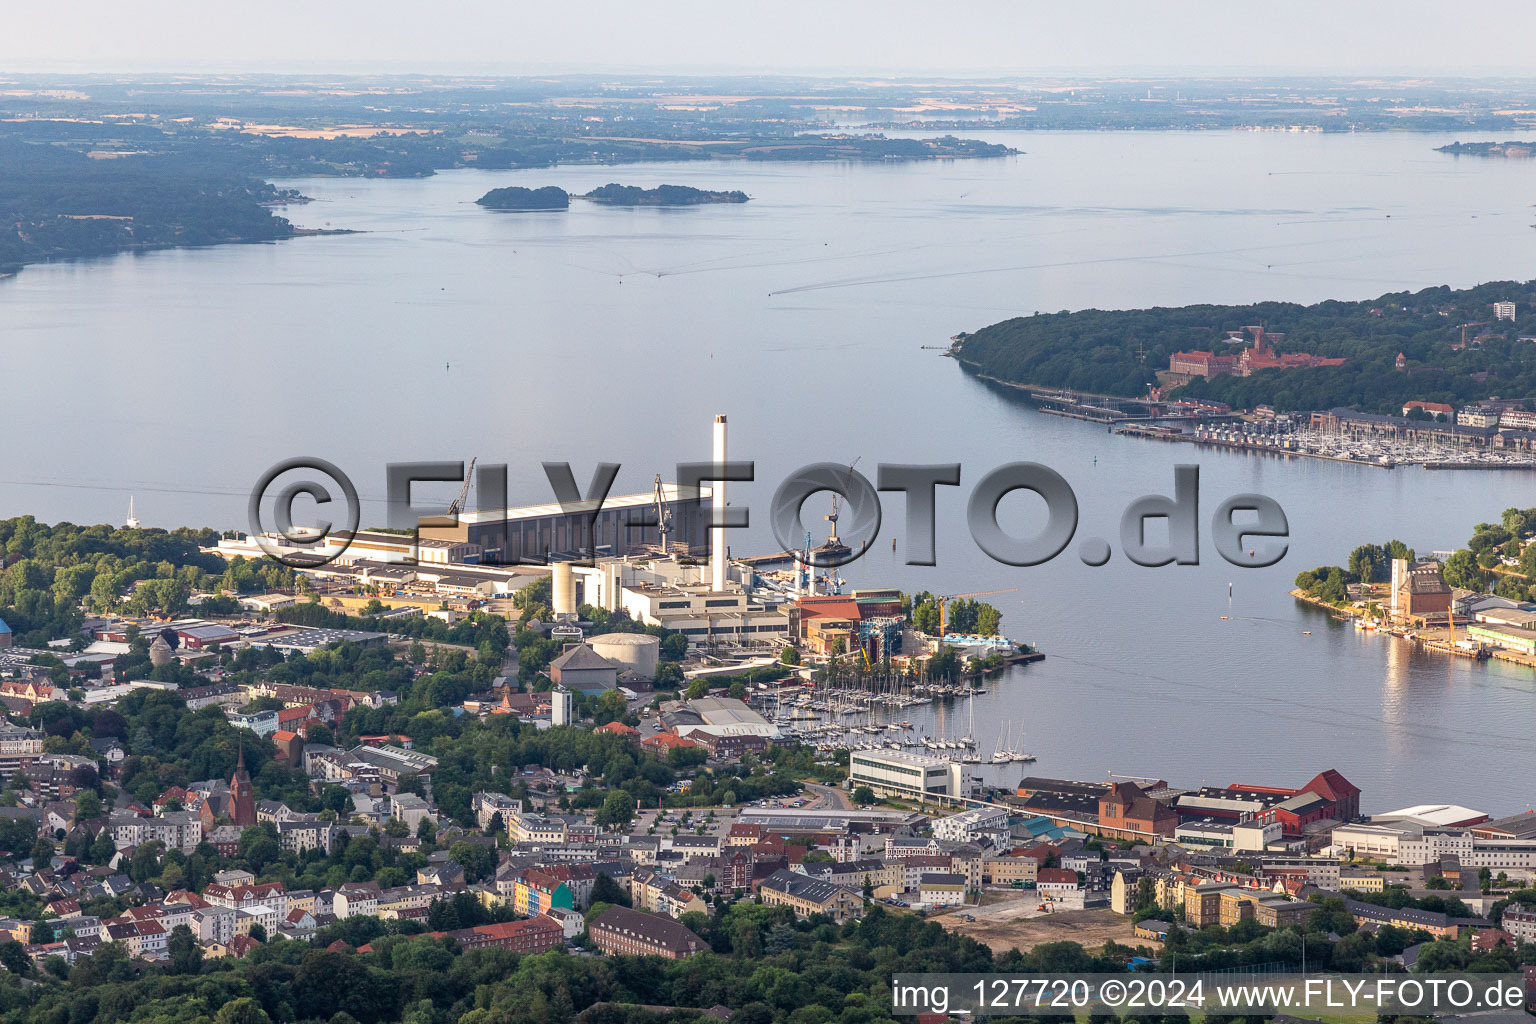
(828, 796)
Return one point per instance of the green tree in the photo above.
(618, 809)
(185, 954)
(244, 1010)
(1462, 570)
(87, 805)
(606, 890)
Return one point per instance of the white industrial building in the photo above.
(913, 776)
(969, 826)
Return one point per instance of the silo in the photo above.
(564, 589)
(638, 652)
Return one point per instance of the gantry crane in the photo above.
(944, 601)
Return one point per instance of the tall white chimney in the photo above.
(717, 558)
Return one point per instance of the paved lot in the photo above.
(1020, 924)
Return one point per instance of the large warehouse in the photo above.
(624, 524)
(716, 716)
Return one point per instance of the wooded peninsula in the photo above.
(1455, 349)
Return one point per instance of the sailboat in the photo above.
(132, 522)
(1001, 755)
(1017, 754)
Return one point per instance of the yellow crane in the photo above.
(944, 600)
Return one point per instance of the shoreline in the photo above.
(1439, 645)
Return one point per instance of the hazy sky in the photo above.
(888, 36)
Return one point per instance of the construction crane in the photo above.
(663, 517)
(831, 517)
(1474, 323)
(457, 505)
(944, 601)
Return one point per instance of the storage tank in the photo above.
(564, 596)
(638, 652)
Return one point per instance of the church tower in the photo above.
(242, 804)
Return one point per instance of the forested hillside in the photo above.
(1119, 352)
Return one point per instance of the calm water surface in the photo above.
(448, 331)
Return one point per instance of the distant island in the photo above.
(1439, 345)
(551, 197)
(1508, 150)
(661, 195)
(515, 197)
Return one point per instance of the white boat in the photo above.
(1001, 754)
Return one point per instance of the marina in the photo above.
(872, 718)
(1385, 452)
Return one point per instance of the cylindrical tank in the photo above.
(636, 651)
(564, 589)
(160, 652)
(565, 634)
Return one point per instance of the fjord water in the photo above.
(602, 334)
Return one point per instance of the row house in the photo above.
(248, 897)
(145, 939)
(307, 833)
(809, 897)
(487, 805)
(578, 879)
(661, 895)
(534, 828)
(178, 830)
(403, 899)
(265, 915)
(360, 899)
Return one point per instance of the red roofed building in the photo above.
(1126, 812)
(1433, 408)
(1337, 797)
(1489, 939)
(530, 935)
(290, 718)
(1202, 364)
(240, 946)
(664, 742)
(290, 747)
(1335, 788)
(619, 729)
(1056, 880)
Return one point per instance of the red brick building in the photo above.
(620, 931)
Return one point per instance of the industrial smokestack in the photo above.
(717, 531)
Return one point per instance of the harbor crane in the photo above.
(831, 517)
(944, 602)
(663, 517)
(457, 505)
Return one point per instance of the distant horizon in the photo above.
(406, 68)
(980, 38)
